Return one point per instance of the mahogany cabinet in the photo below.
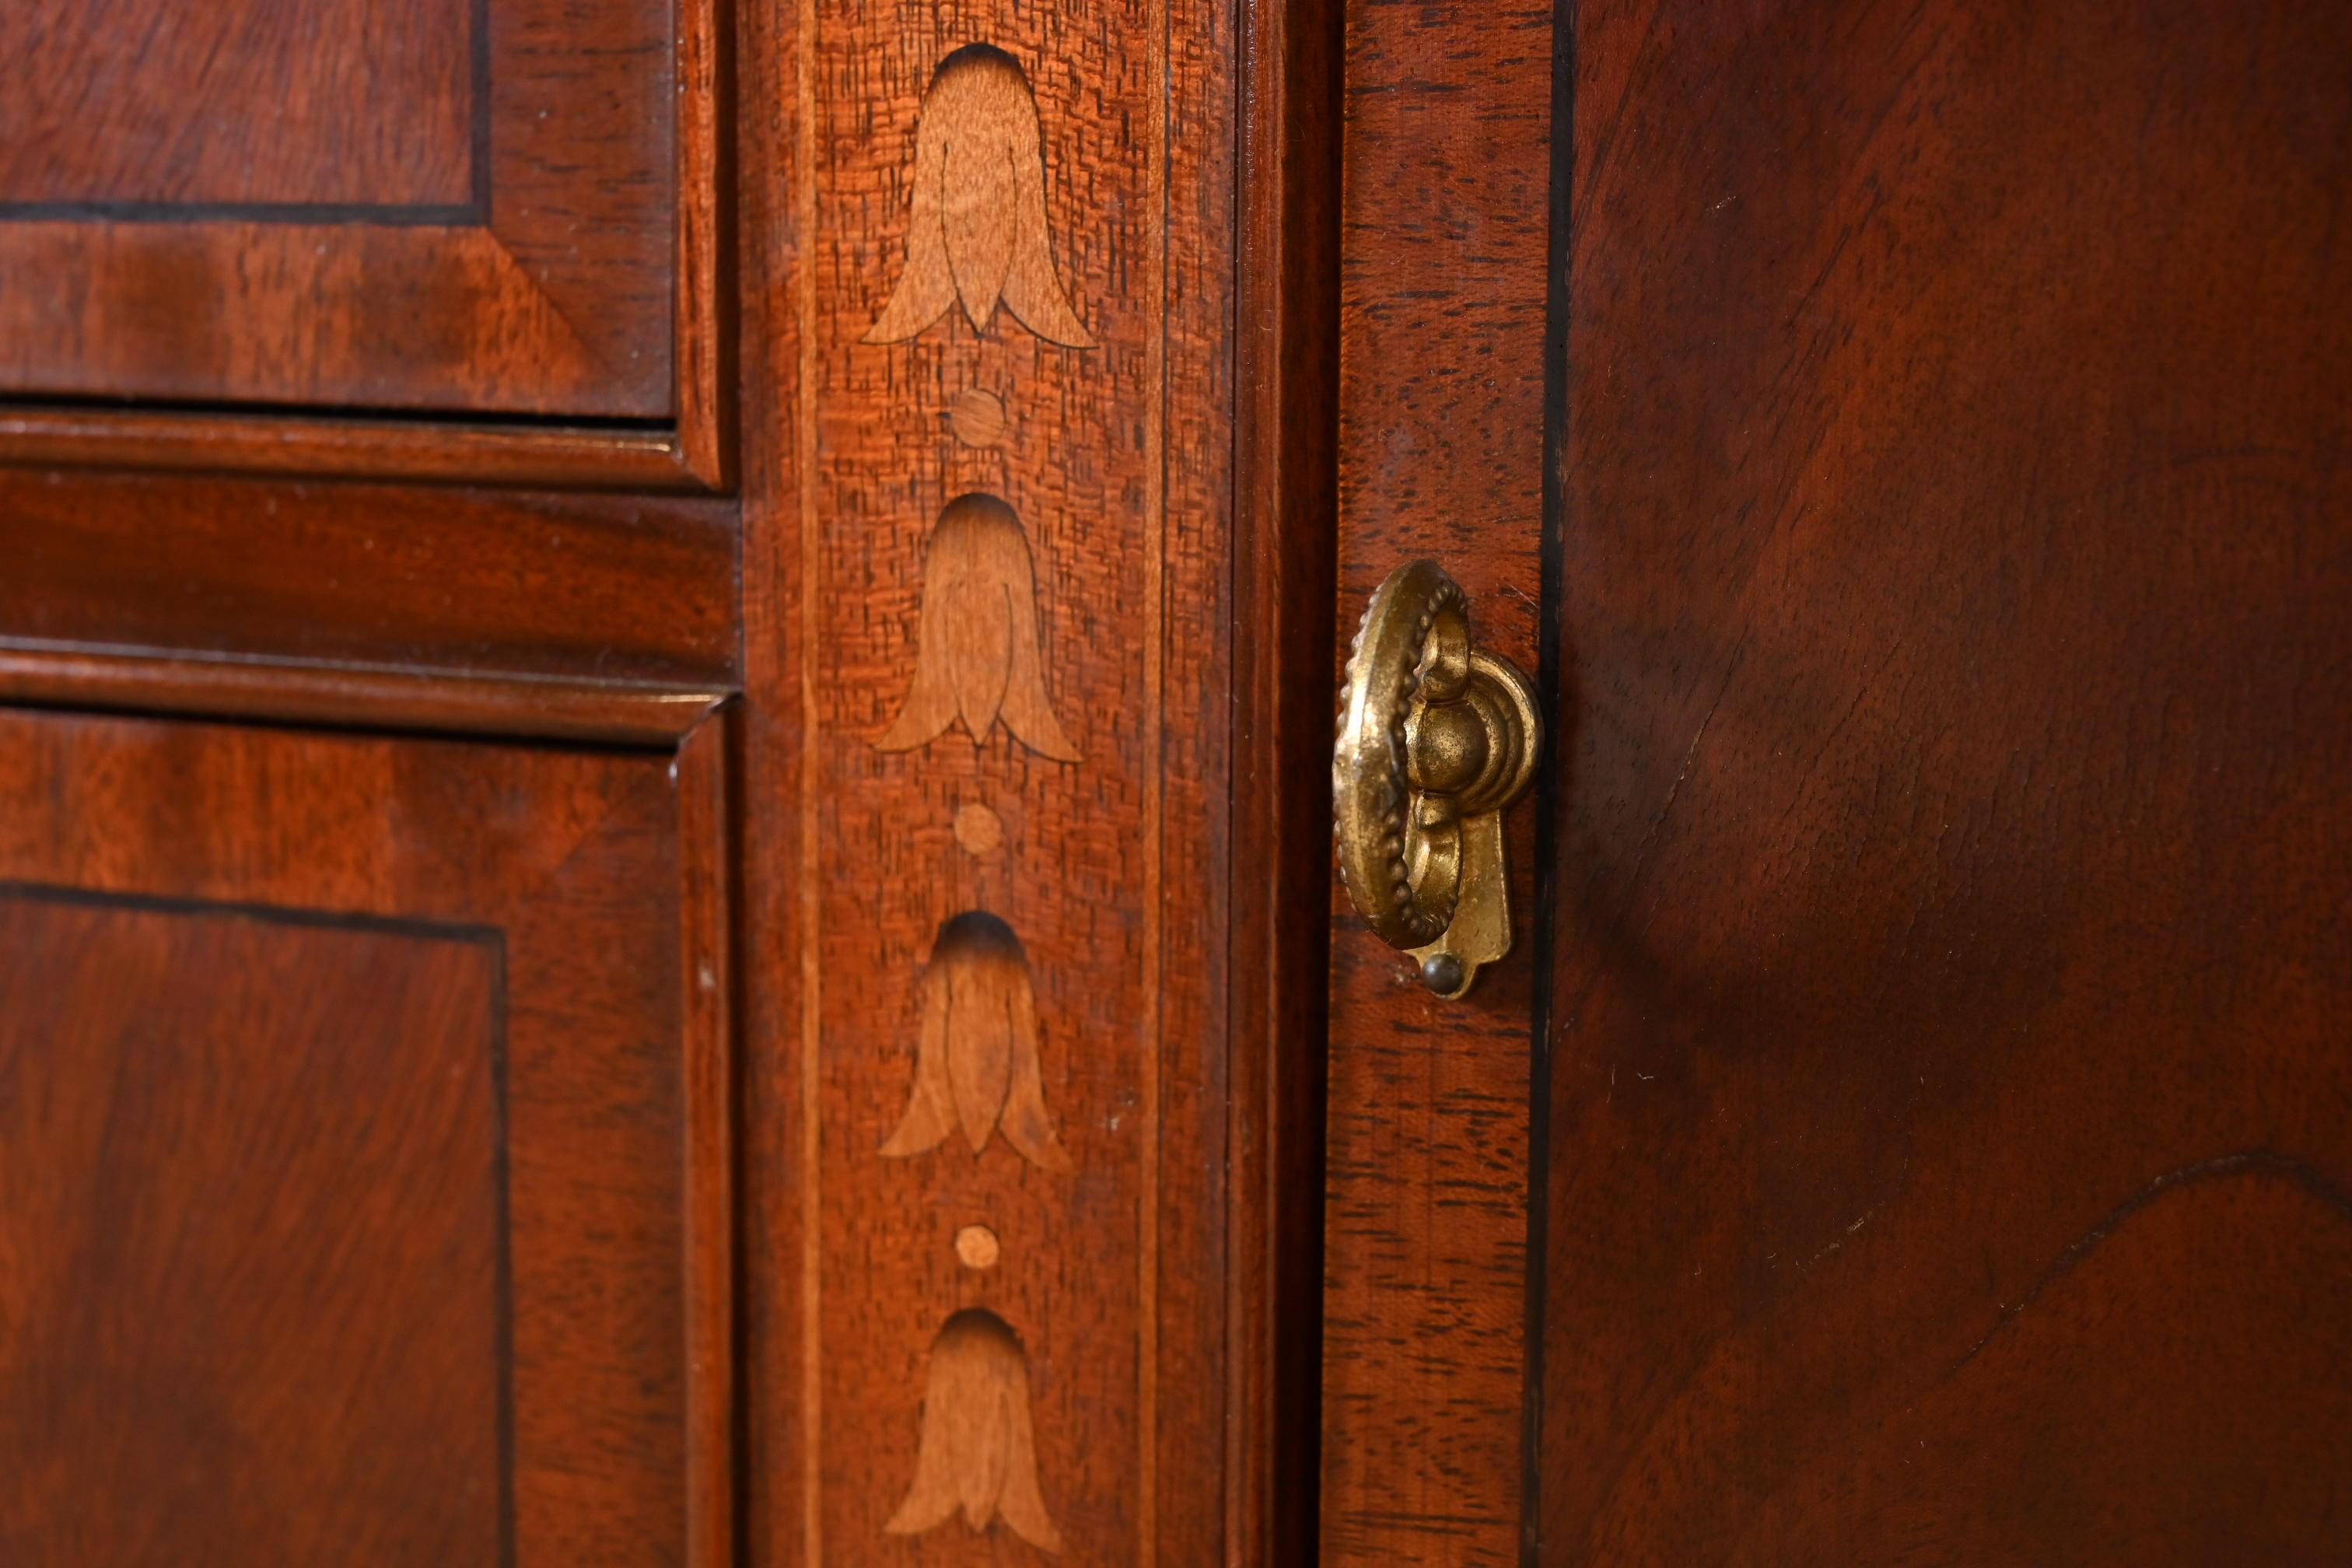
(618, 641)
(668, 782)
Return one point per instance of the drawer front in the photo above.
(450, 205)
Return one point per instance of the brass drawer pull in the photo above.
(1436, 737)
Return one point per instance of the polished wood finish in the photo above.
(704, 365)
(1112, 868)
(306, 555)
(703, 772)
(437, 607)
(508, 862)
(1951, 1127)
(1442, 401)
(630, 590)
(1285, 346)
(215, 249)
(503, 208)
(256, 1273)
(249, 104)
(352, 695)
(366, 1150)
(324, 447)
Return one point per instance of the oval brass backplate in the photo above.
(1436, 737)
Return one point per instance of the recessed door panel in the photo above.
(254, 1235)
(1949, 1117)
(361, 1149)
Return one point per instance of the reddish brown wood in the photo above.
(581, 588)
(702, 314)
(1286, 350)
(704, 774)
(332, 694)
(1441, 445)
(690, 457)
(1112, 869)
(367, 1193)
(1156, 1310)
(246, 1272)
(686, 442)
(1951, 1124)
(511, 208)
(237, 102)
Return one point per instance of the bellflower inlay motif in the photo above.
(978, 230)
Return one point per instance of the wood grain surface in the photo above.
(239, 102)
(1149, 1312)
(479, 582)
(688, 456)
(464, 207)
(1115, 459)
(1285, 347)
(1952, 1125)
(1444, 243)
(351, 696)
(256, 1241)
(367, 1157)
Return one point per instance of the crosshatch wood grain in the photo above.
(1445, 239)
(1115, 459)
(500, 972)
(1951, 1122)
(512, 247)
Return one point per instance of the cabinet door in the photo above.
(1937, 973)
(470, 206)
(1950, 1113)
(361, 1167)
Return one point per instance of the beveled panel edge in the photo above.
(325, 445)
(702, 342)
(709, 902)
(350, 696)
